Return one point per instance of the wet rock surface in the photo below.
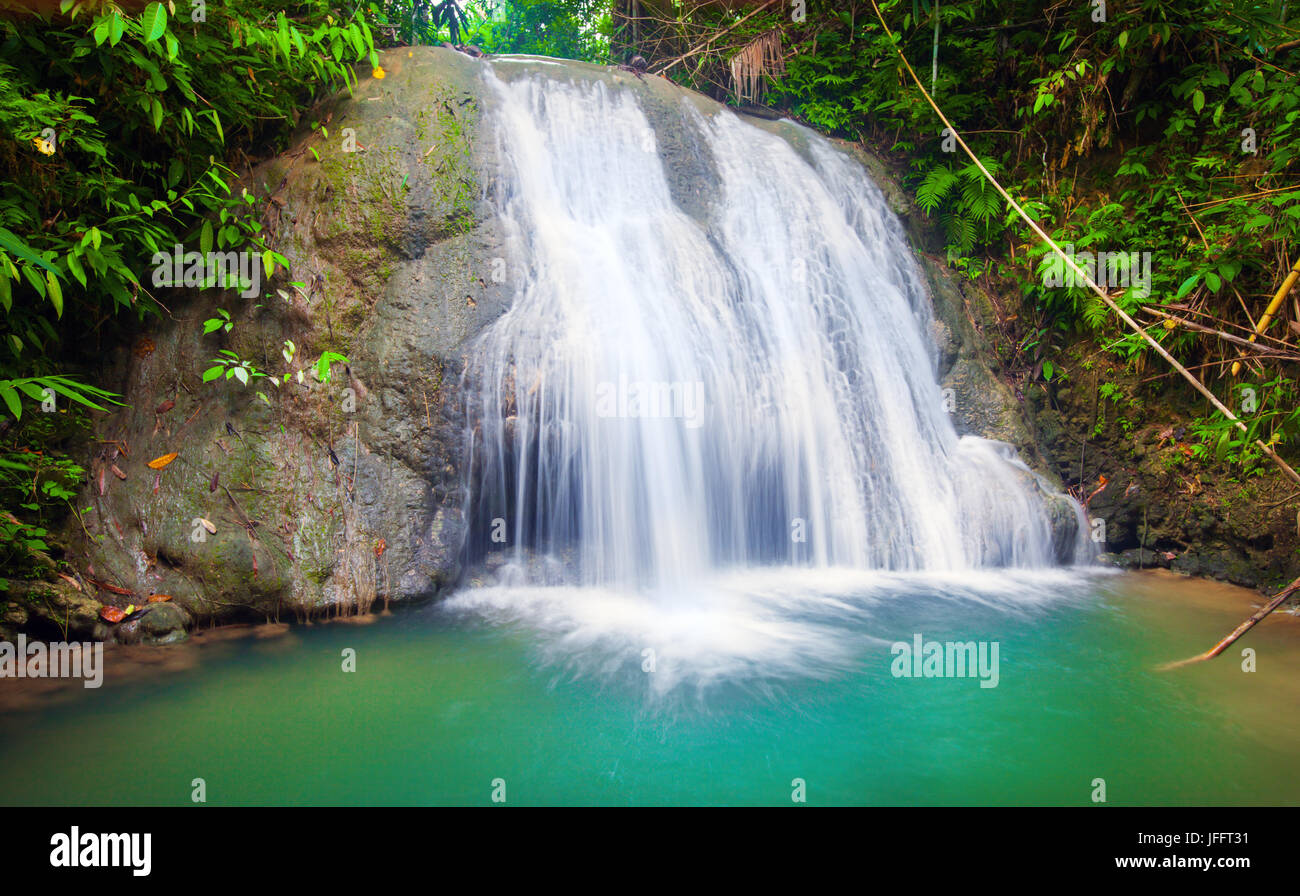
(326, 497)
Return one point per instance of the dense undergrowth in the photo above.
(120, 136)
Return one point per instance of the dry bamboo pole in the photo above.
(1248, 344)
(1239, 630)
(1082, 275)
(1273, 307)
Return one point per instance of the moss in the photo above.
(313, 546)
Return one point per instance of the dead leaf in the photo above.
(159, 462)
(71, 581)
(111, 614)
(212, 530)
(165, 407)
(159, 598)
(114, 589)
(117, 472)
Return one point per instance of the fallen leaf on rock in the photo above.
(165, 407)
(212, 530)
(114, 589)
(159, 462)
(111, 614)
(159, 598)
(71, 581)
(117, 472)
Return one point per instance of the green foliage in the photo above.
(46, 389)
(114, 131)
(568, 29)
(419, 21)
(221, 322)
(969, 208)
(325, 361)
(232, 366)
(119, 138)
(38, 486)
(1274, 419)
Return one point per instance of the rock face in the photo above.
(325, 496)
(1161, 507)
(330, 496)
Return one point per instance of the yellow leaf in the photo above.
(44, 146)
(159, 462)
(380, 74)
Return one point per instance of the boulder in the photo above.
(326, 496)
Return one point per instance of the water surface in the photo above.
(765, 679)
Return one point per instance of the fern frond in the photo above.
(936, 185)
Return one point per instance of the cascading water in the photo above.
(670, 396)
(708, 430)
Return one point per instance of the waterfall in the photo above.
(716, 372)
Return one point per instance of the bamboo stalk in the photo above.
(1239, 630)
(1273, 307)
